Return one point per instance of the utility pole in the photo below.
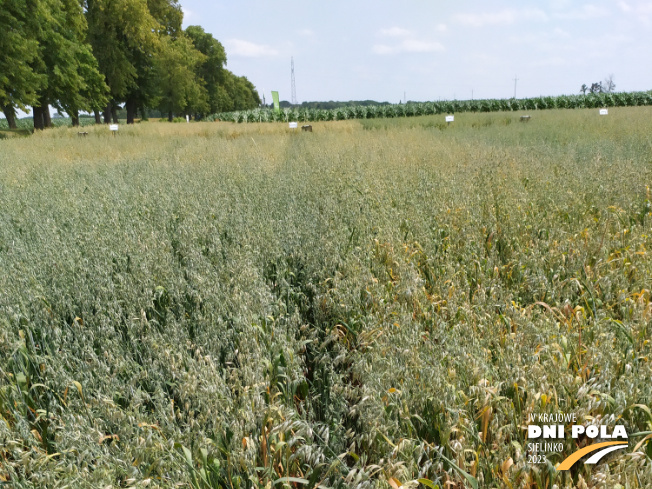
(294, 86)
(515, 80)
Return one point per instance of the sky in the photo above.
(424, 50)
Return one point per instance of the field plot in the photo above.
(371, 304)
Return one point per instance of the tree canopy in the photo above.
(98, 55)
(226, 91)
(180, 90)
(19, 81)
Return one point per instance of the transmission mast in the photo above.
(294, 85)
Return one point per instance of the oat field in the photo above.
(378, 303)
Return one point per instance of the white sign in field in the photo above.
(293, 125)
(450, 118)
(604, 112)
(113, 127)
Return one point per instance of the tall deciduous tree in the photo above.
(168, 15)
(179, 87)
(72, 81)
(19, 82)
(94, 54)
(245, 95)
(212, 70)
(85, 89)
(596, 87)
(123, 34)
(226, 91)
(237, 93)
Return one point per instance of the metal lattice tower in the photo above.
(294, 85)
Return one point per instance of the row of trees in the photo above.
(607, 86)
(331, 104)
(95, 55)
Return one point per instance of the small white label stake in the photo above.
(604, 112)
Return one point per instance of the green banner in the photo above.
(277, 107)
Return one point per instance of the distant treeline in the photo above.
(99, 56)
(307, 114)
(284, 104)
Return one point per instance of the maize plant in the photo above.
(597, 100)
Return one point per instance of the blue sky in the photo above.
(381, 49)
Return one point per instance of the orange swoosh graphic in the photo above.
(574, 457)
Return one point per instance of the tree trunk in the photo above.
(47, 119)
(107, 114)
(10, 114)
(170, 116)
(131, 110)
(114, 112)
(38, 118)
(75, 118)
(98, 118)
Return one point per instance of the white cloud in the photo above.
(239, 47)
(625, 7)
(416, 46)
(560, 4)
(395, 32)
(409, 46)
(560, 33)
(187, 14)
(640, 9)
(441, 28)
(555, 40)
(586, 12)
(553, 61)
(404, 41)
(504, 17)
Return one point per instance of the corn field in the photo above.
(597, 100)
